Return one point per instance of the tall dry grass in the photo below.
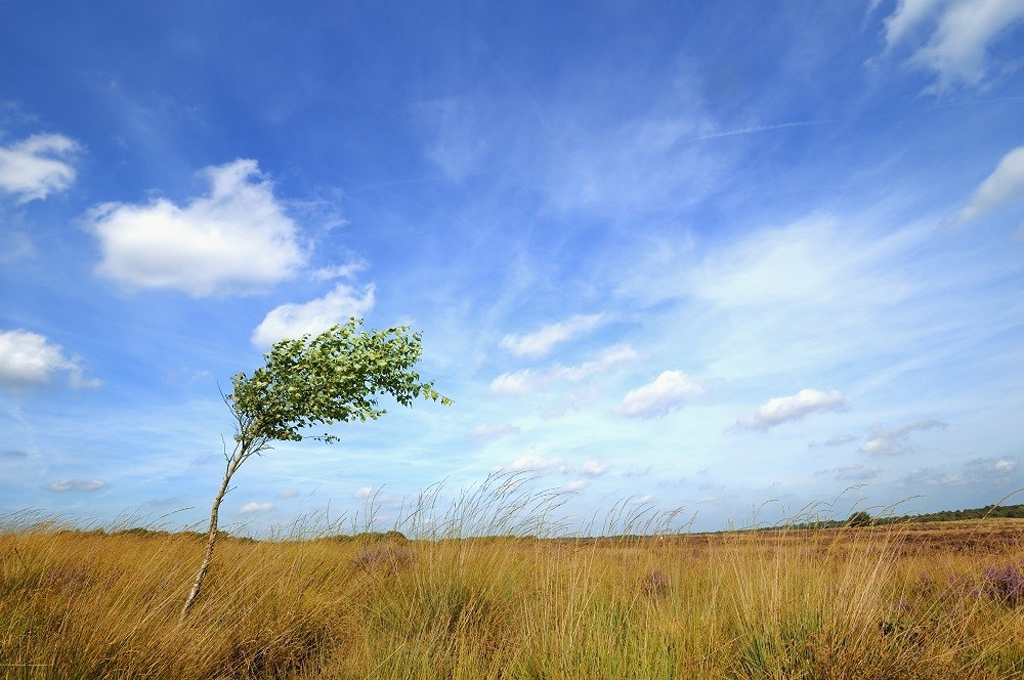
(477, 597)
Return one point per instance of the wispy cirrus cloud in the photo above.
(293, 320)
(236, 239)
(541, 342)
(670, 390)
(31, 360)
(780, 410)
(37, 166)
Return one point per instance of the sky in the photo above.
(735, 259)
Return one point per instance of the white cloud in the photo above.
(908, 14)
(486, 432)
(288, 493)
(780, 410)
(293, 320)
(575, 486)
(341, 271)
(30, 359)
(540, 342)
(595, 468)
(883, 446)
(894, 442)
(536, 464)
(254, 506)
(1005, 465)
(37, 166)
(363, 492)
(76, 485)
(236, 239)
(519, 382)
(961, 32)
(528, 380)
(668, 391)
(1004, 185)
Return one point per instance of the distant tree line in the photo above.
(862, 518)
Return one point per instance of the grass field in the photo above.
(939, 600)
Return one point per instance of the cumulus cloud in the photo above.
(668, 391)
(486, 432)
(894, 442)
(595, 468)
(575, 486)
(363, 492)
(1003, 186)
(293, 320)
(1005, 465)
(959, 33)
(528, 380)
(236, 239)
(540, 342)
(255, 506)
(780, 410)
(37, 166)
(30, 359)
(76, 485)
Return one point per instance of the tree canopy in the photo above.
(334, 377)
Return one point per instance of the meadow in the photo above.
(940, 600)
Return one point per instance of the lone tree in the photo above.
(859, 519)
(334, 377)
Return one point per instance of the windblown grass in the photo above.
(477, 597)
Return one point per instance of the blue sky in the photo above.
(715, 256)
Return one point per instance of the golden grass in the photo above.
(898, 601)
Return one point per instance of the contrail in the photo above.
(760, 128)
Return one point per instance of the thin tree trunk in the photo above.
(211, 538)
